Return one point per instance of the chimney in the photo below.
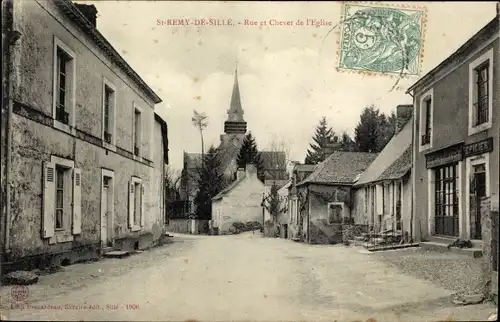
(240, 173)
(89, 11)
(403, 114)
(330, 148)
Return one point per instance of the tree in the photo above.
(346, 143)
(210, 182)
(323, 138)
(200, 121)
(279, 158)
(374, 130)
(250, 154)
(172, 184)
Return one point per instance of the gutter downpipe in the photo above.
(11, 36)
(413, 158)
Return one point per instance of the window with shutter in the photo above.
(49, 194)
(77, 202)
(131, 204)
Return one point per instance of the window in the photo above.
(61, 102)
(426, 137)
(59, 197)
(480, 91)
(108, 114)
(481, 104)
(137, 131)
(63, 86)
(61, 200)
(426, 120)
(335, 213)
(136, 202)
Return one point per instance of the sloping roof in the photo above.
(398, 168)
(164, 134)
(340, 168)
(75, 15)
(391, 152)
(230, 187)
(490, 29)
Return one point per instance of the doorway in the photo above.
(107, 208)
(478, 192)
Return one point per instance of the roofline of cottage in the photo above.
(376, 182)
(450, 60)
(71, 11)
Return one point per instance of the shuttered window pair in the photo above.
(61, 199)
(135, 204)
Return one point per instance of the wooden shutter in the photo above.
(131, 204)
(379, 199)
(77, 201)
(49, 199)
(142, 205)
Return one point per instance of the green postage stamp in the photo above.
(380, 39)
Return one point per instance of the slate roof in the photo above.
(340, 168)
(394, 149)
(398, 168)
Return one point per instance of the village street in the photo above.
(242, 277)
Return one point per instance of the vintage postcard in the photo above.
(249, 160)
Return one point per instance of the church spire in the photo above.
(235, 122)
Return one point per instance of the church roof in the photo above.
(235, 112)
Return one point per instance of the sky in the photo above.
(287, 74)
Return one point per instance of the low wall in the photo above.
(178, 226)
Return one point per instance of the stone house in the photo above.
(241, 201)
(325, 195)
(85, 151)
(456, 159)
(382, 194)
(295, 211)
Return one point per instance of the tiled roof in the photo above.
(340, 168)
(398, 144)
(224, 191)
(305, 167)
(399, 167)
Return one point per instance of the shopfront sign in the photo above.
(444, 156)
(484, 146)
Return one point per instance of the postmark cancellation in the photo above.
(382, 39)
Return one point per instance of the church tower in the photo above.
(235, 126)
(235, 123)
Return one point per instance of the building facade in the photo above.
(456, 146)
(86, 151)
(239, 202)
(382, 194)
(324, 197)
